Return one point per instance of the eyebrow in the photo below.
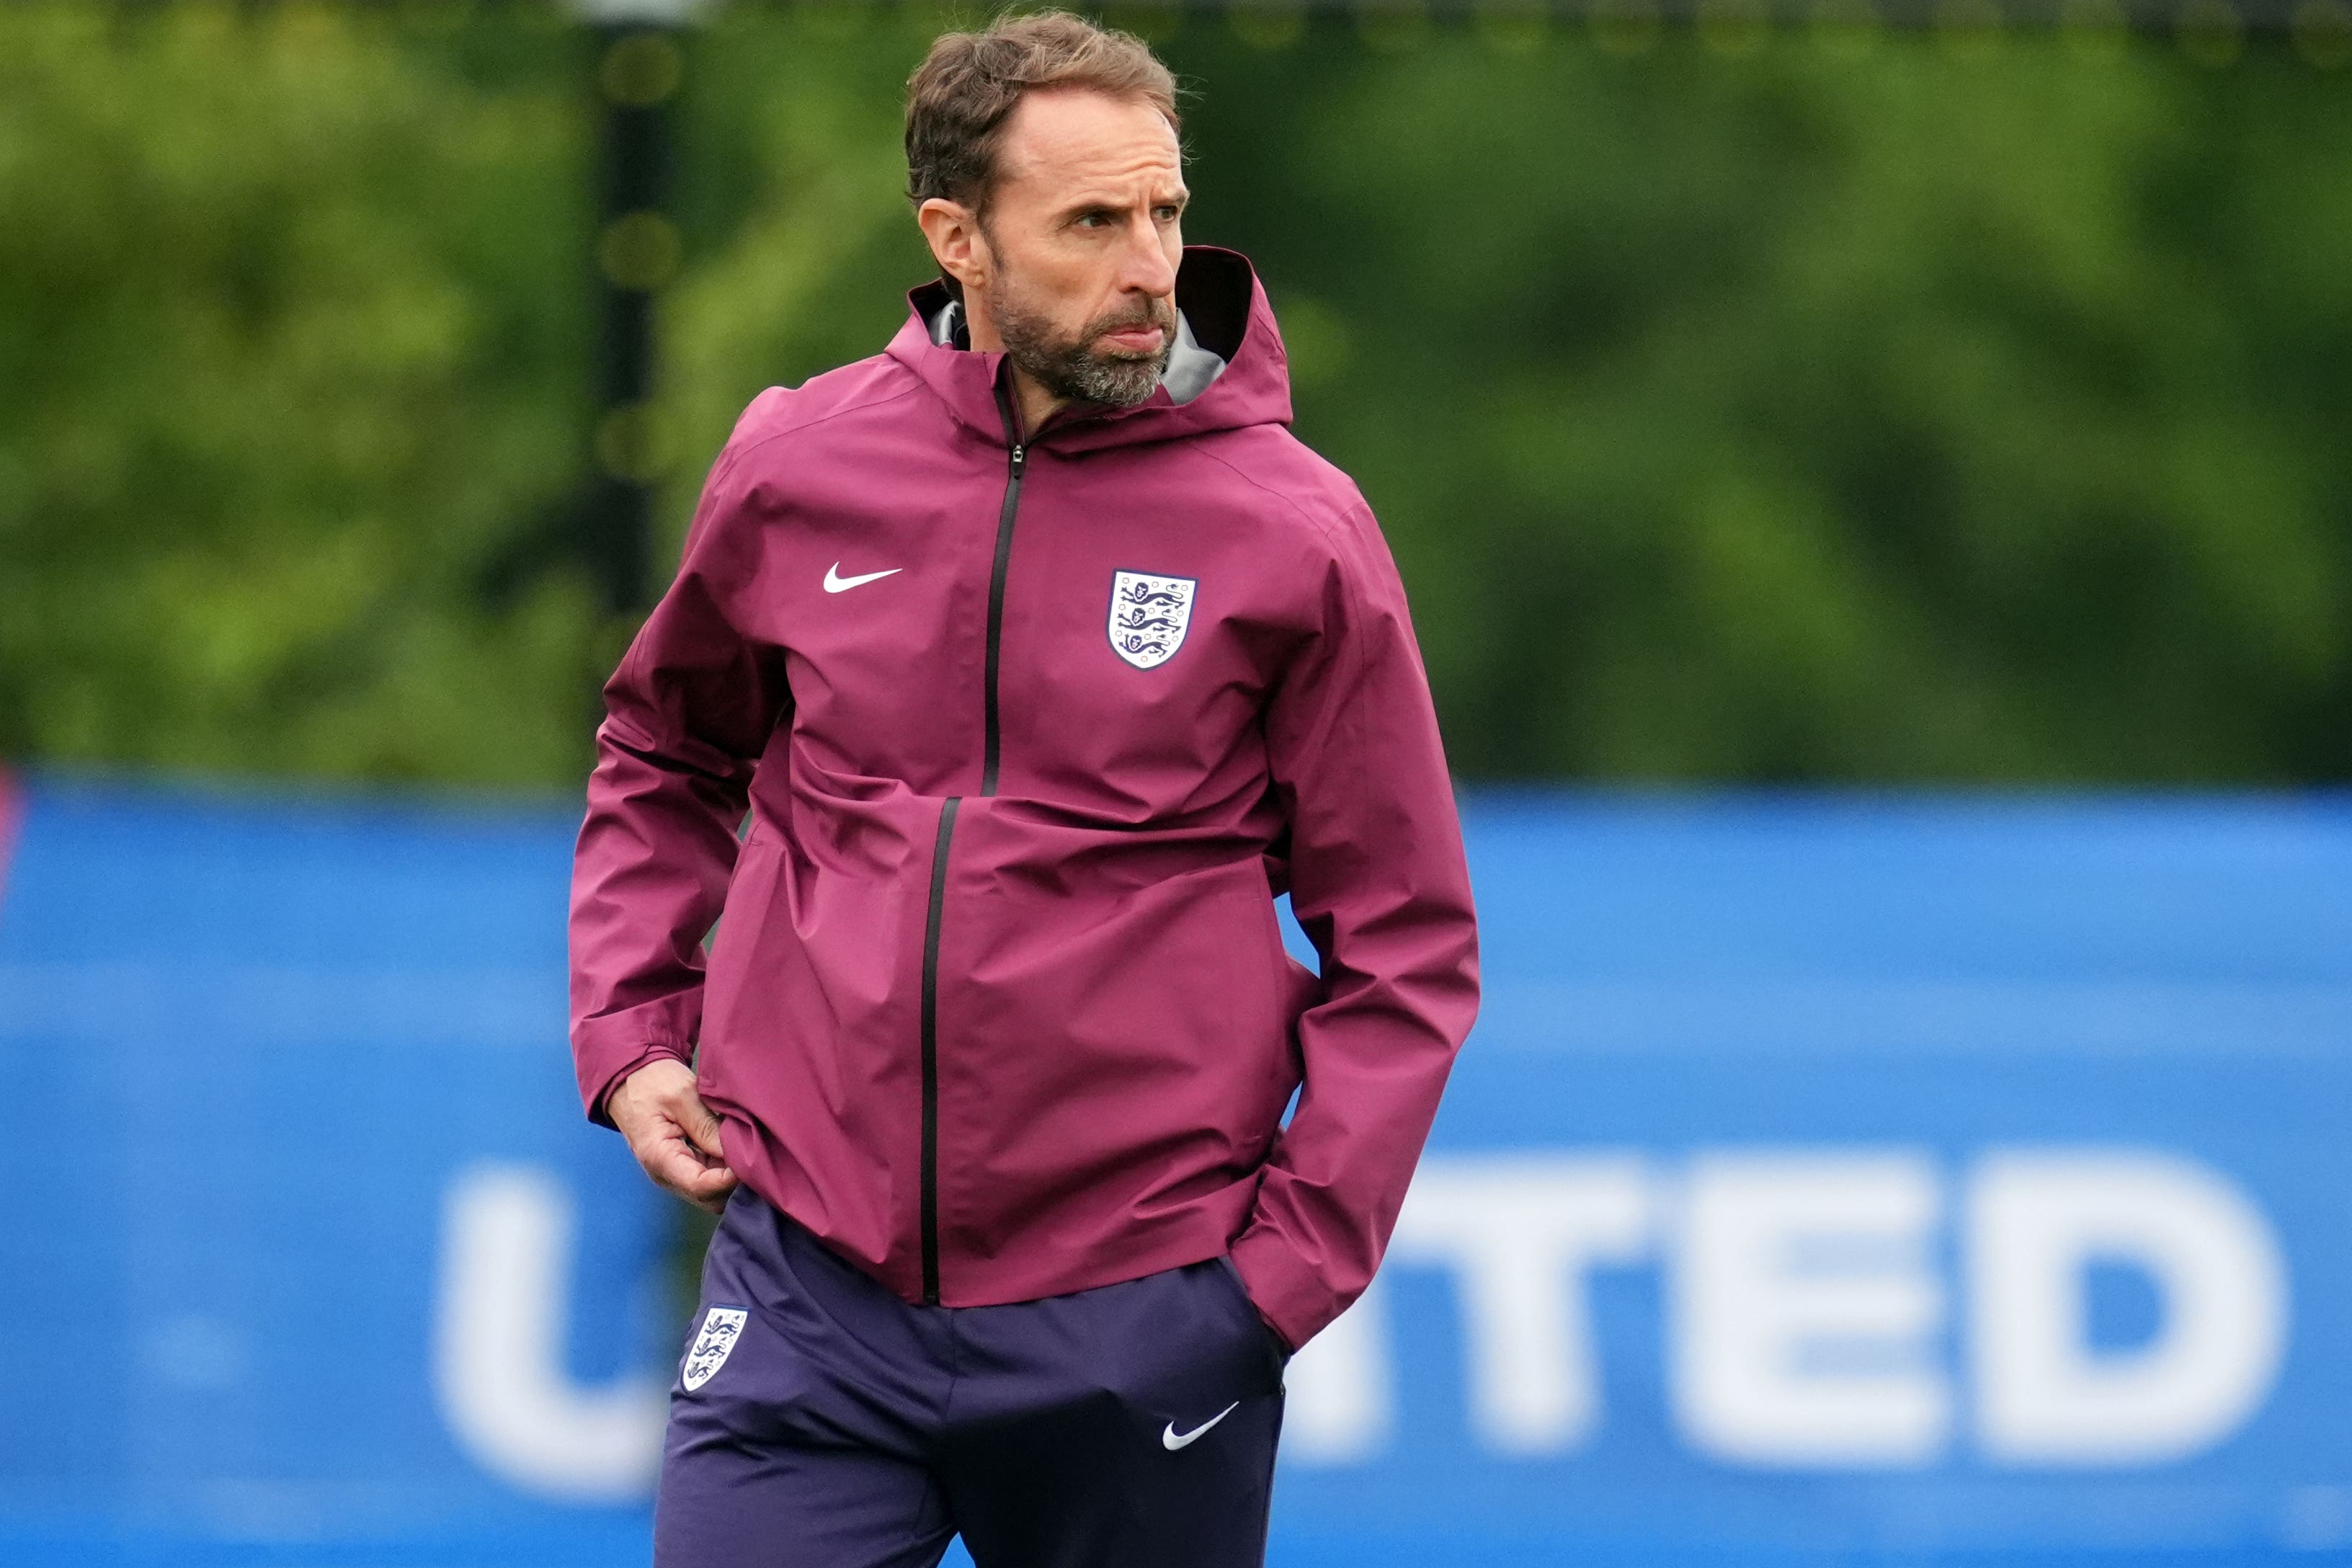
(1111, 204)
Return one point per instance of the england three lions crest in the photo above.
(722, 1326)
(1147, 616)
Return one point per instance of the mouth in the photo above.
(1142, 339)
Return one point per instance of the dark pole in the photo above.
(636, 71)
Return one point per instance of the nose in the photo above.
(1145, 266)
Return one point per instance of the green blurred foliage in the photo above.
(289, 329)
(1744, 407)
(1895, 418)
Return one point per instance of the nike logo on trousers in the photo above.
(834, 582)
(1171, 1439)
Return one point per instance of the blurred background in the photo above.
(1876, 494)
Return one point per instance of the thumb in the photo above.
(702, 1126)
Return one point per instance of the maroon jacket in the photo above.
(1032, 734)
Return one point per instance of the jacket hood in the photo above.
(1222, 310)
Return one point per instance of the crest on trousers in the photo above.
(1147, 616)
(722, 1326)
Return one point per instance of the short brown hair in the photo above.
(960, 96)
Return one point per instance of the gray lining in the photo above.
(1190, 367)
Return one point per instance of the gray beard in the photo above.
(1074, 367)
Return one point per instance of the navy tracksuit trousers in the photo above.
(818, 1421)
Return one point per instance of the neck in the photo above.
(1032, 403)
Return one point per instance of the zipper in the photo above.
(989, 746)
(932, 1051)
(992, 736)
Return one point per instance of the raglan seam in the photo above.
(736, 456)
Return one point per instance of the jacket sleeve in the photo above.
(1379, 883)
(686, 717)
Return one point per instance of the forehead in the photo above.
(1060, 139)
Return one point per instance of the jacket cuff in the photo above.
(1294, 1302)
(596, 1091)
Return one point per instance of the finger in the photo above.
(713, 1184)
(668, 1137)
(710, 1189)
(702, 1126)
(675, 1165)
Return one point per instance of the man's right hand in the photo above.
(673, 1134)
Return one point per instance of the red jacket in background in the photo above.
(1031, 736)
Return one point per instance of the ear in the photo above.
(956, 241)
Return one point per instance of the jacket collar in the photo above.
(1229, 368)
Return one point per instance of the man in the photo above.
(1044, 657)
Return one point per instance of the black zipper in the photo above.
(991, 736)
(989, 750)
(931, 1052)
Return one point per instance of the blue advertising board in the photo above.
(1860, 1177)
(1827, 1179)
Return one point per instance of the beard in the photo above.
(1081, 367)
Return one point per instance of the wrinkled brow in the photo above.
(1096, 202)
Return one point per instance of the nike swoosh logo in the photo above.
(1172, 1439)
(834, 582)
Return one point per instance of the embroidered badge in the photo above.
(722, 1326)
(1147, 616)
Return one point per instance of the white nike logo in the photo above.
(834, 582)
(1172, 1439)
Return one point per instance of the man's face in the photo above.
(1084, 231)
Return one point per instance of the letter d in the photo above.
(2044, 1396)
